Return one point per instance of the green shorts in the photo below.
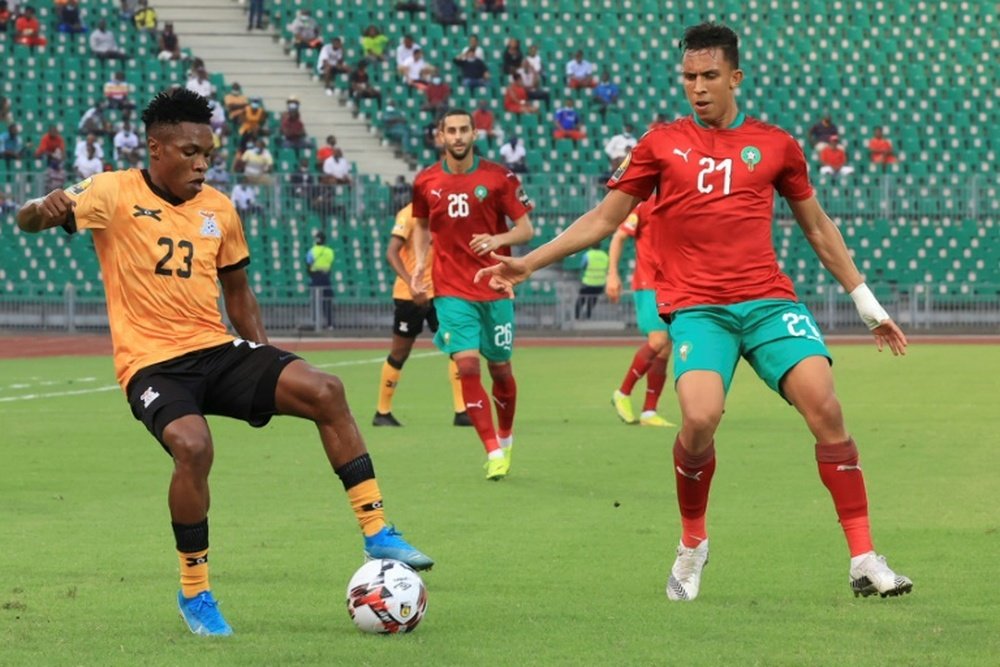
(646, 315)
(772, 334)
(487, 326)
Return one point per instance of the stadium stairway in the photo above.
(215, 31)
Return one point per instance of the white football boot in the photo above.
(685, 575)
(870, 575)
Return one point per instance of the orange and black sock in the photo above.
(391, 370)
(841, 474)
(457, 400)
(192, 552)
(641, 362)
(694, 480)
(358, 477)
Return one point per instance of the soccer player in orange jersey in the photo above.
(165, 240)
(723, 295)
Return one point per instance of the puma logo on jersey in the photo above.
(683, 154)
(148, 397)
(436, 193)
(153, 213)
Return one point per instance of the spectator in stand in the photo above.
(404, 53)
(199, 83)
(27, 29)
(880, 148)
(515, 99)
(7, 205)
(395, 126)
(5, 116)
(217, 175)
(217, 121)
(305, 34)
(438, 96)
(169, 43)
(512, 56)
(447, 12)
(580, 72)
(85, 144)
(88, 165)
(401, 193)
(531, 78)
(302, 180)
(373, 44)
(472, 50)
(127, 9)
(255, 15)
(534, 61)
(55, 174)
(361, 87)
(821, 132)
(833, 159)
(145, 17)
(293, 130)
(325, 151)
(418, 70)
(93, 121)
(236, 104)
(11, 145)
(410, 7)
(492, 6)
(620, 145)
(474, 72)
(117, 91)
(567, 123)
(512, 153)
(331, 63)
(483, 121)
(244, 198)
(126, 145)
(71, 18)
(605, 94)
(258, 163)
(103, 43)
(51, 145)
(254, 122)
(5, 16)
(336, 169)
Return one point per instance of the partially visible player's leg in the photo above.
(652, 326)
(457, 400)
(304, 391)
(497, 345)
(656, 378)
(407, 324)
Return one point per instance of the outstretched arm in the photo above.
(242, 306)
(588, 229)
(826, 241)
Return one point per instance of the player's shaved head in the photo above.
(175, 106)
(706, 36)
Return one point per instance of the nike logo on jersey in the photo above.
(436, 193)
(153, 213)
(683, 154)
(696, 476)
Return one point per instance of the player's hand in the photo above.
(503, 276)
(54, 209)
(483, 244)
(422, 298)
(418, 286)
(889, 333)
(613, 288)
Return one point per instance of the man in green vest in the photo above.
(595, 275)
(319, 261)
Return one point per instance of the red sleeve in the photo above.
(639, 173)
(420, 207)
(515, 200)
(793, 180)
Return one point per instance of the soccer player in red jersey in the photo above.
(464, 202)
(650, 360)
(724, 297)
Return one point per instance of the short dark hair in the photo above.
(453, 111)
(177, 105)
(711, 36)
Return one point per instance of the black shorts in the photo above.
(408, 320)
(235, 380)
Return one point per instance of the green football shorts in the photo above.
(773, 335)
(487, 326)
(646, 316)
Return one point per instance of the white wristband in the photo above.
(871, 311)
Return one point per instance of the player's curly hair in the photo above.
(713, 36)
(176, 105)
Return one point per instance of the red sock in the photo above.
(839, 470)
(656, 377)
(504, 397)
(477, 403)
(640, 364)
(694, 479)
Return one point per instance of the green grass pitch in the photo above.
(563, 563)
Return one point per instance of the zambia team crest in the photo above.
(209, 227)
(750, 156)
(79, 188)
(480, 192)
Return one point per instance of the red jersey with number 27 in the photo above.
(459, 206)
(712, 213)
(636, 225)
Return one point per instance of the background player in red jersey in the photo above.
(724, 296)
(650, 360)
(465, 202)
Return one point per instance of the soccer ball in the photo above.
(386, 596)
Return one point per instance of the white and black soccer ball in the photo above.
(386, 596)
